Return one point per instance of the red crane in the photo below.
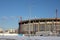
(20, 24)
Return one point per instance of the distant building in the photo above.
(11, 31)
(1, 30)
(39, 25)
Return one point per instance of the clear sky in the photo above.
(11, 10)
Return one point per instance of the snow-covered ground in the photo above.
(29, 38)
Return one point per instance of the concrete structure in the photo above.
(35, 26)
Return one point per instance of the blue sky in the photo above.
(11, 10)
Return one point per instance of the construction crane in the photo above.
(20, 24)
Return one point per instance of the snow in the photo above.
(29, 38)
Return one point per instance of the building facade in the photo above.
(38, 25)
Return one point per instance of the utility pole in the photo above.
(56, 20)
(29, 16)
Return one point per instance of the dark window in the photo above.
(42, 27)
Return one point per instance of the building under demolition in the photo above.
(40, 26)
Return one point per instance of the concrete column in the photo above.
(33, 26)
(52, 26)
(38, 26)
(49, 26)
(45, 25)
